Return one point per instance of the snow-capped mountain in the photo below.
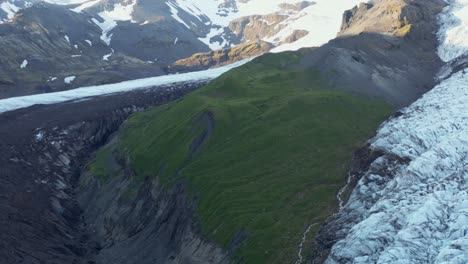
(207, 23)
(9, 8)
(411, 206)
(115, 40)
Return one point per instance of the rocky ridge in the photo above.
(44, 149)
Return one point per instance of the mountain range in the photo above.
(111, 41)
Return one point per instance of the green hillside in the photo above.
(279, 150)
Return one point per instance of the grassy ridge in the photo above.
(279, 152)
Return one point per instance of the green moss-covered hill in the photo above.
(276, 148)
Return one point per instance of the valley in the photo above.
(235, 151)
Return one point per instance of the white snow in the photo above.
(69, 79)
(39, 135)
(175, 41)
(454, 30)
(66, 2)
(120, 12)
(175, 14)
(89, 42)
(85, 5)
(84, 92)
(321, 20)
(9, 8)
(412, 204)
(107, 56)
(67, 38)
(24, 64)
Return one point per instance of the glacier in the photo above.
(411, 205)
(13, 103)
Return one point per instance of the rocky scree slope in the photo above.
(43, 151)
(40, 53)
(386, 48)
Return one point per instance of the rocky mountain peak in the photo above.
(392, 17)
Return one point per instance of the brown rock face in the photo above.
(224, 56)
(392, 17)
(251, 28)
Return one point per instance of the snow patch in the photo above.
(85, 5)
(175, 13)
(69, 79)
(10, 9)
(89, 42)
(24, 64)
(107, 56)
(67, 38)
(119, 12)
(39, 135)
(66, 2)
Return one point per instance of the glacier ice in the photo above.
(83, 92)
(420, 213)
(411, 206)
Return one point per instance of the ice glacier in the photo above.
(83, 92)
(411, 206)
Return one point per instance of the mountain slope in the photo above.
(250, 157)
(386, 49)
(264, 149)
(410, 204)
(40, 53)
(110, 41)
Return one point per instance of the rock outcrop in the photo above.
(222, 57)
(141, 221)
(385, 49)
(44, 149)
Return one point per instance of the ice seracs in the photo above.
(454, 30)
(411, 206)
(420, 213)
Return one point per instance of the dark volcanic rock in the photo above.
(135, 221)
(43, 150)
(153, 34)
(389, 54)
(39, 51)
